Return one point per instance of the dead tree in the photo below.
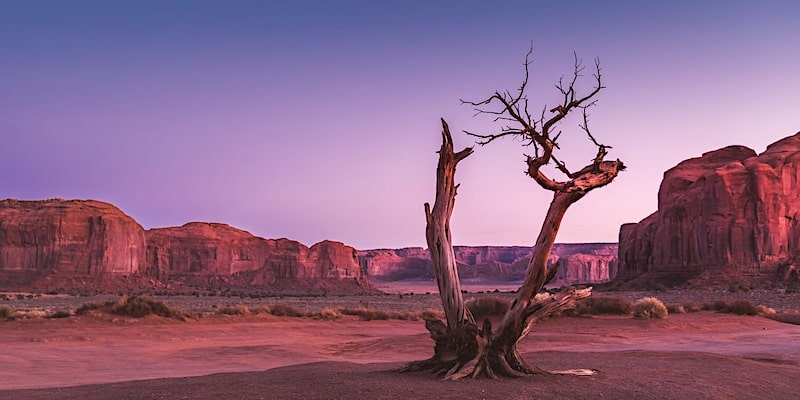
(465, 347)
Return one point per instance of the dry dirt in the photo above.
(686, 356)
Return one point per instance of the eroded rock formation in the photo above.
(67, 238)
(730, 213)
(212, 254)
(68, 244)
(580, 263)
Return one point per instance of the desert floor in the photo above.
(686, 356)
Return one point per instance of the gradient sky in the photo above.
(319, 120)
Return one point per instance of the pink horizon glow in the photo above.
(318, 121)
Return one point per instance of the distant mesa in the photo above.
(80, 246)
(580, 263)
(87, 245)
(729, 215)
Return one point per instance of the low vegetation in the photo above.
(134, 306)
(61, 314)
(138, 307)
(597, 305)
(738, 307)
(481, 306)
(369, 314)
(283, 310)
(649, 308)
(234, 310)
(490, 306)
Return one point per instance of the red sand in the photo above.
(698, 355)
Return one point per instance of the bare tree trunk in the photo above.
(462, 347)
(437, 232)
(536, 275)
(455, 341)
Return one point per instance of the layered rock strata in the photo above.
(580, 263)
(215, 254)
(67, 244)
(67, 238)
(730, 213)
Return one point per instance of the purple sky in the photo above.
(320, 120)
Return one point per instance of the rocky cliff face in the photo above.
(67, 237)
(55, 244)
(211, 254)
(580, 263)
(729, 212)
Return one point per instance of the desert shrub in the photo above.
(328, 313)
(283, 310)
(234, 310)
(741, 307)
(691, 307)
(649, 308)
(676, 309)
(595, 305)
(29, 314)
(262, 309)
(482, 307)
(764, 310)
(430, 313)
(720, 305)
(61, 314)
(6, 312)
(369, 314)
(738, 307)
(138, 307)
(405, 316)
(366, 314)
(85, 308)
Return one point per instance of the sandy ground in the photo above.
(697, 355)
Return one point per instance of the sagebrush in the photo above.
(649, 308)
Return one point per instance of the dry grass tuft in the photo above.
(676, 309)
(6, 312)
(61, 314)
(649, 308)
(485, 307)
(430, 313)
(139, 307)
(283, 310)
(328, 313)
(29, 314)
(234, 310)
(596, 305)
(134, 306)
(368, 314)
(738, 307)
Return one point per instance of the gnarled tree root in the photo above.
(469, 351)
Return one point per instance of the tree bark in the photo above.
(438, 236)
(462, 348)
(513, 323)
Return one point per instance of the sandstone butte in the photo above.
(84, 244)
(580, 263)
(728, 215)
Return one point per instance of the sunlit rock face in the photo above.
(215, 254)
(93, 246)
(59, 237)
(580, 263)
(730, 213)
